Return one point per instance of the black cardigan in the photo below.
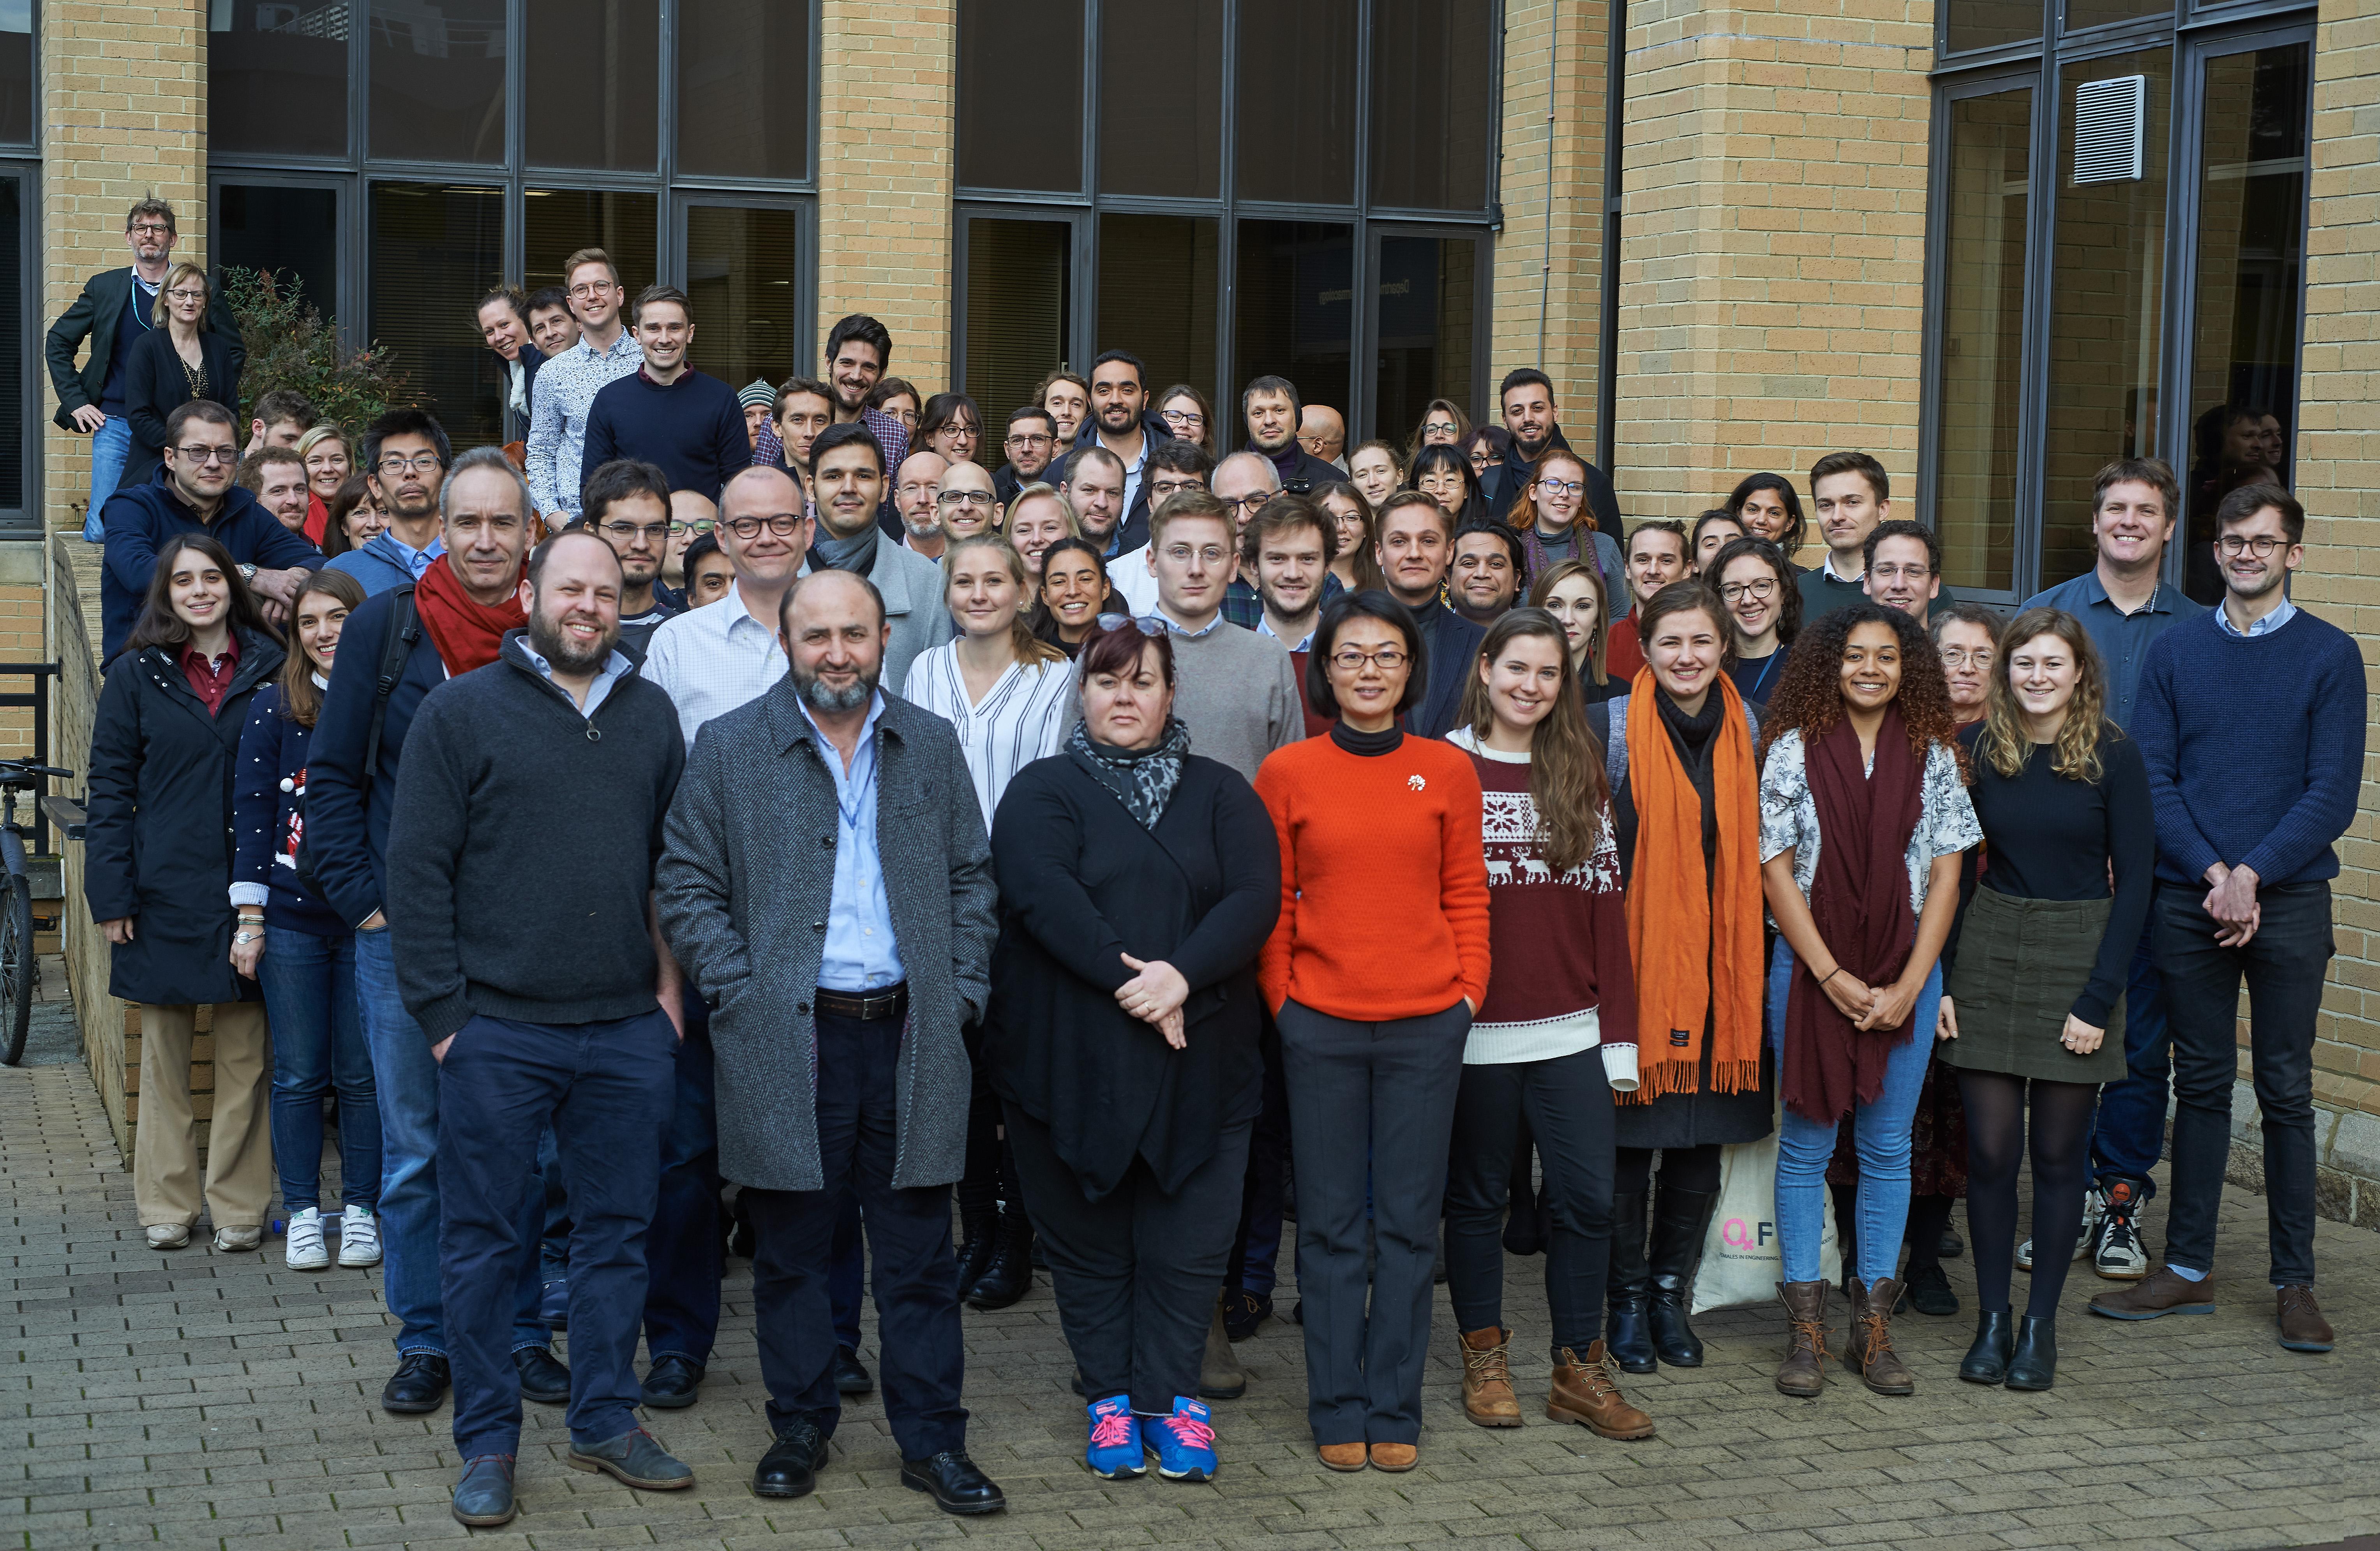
(1081, 884)
(154, 387)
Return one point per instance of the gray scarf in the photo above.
(1142, 779)
(855, 554)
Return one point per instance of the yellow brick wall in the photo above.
(887, 104)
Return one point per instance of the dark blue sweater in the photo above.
(138, 520)
(2254, 747)
(347, 808)
(267, 785)
(693, 430)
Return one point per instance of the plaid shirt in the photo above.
(890, 433)
(1243, 607)
(566, 386)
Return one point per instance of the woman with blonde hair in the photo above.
(2033, 1002)
(177, 360)
(1038, 518)
(328, 466)
(1573, 592)
(1442, 424)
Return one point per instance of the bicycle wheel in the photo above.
(16, 968)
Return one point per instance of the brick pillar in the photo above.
(1548, 310)
(1773, 243)
(887, 112)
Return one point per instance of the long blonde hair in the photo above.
(2004, 743)
(1030, 650)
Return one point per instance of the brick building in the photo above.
(1994, 242)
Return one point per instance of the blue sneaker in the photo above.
(1184, 1442)
(1115, 1453)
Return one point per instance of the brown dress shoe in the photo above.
(1344, 1457)
(2158, 1293)
(1487, 1397)
(2302, 1327)
(1395, 1458)
(1868, 1351)
(1804, 1372)
(1587, 1391)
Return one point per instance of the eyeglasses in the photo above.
(1034, 438)
(1348, 660)
(209, 454)
(1959, 657)
(2261, 546)
(964, 498)
(1900, 572)
(1249, 504)
(1438, 428)
(1733, 591)
(1179, 418)
(152, 229)
(587, 288)
(1145, 627)
(185, 294)
(701, 525)
(628, 532)
(784, 525)
(1560, 487)
(420, 463)
(1159, 488)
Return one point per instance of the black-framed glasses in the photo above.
(1561, 487)
(1348, 660)
(1736, 592)
(2262, 545)
(784, 525)
(151, 229)
(421, 462)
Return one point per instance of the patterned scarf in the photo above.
(1142, 779)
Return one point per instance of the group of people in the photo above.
(1110, 839)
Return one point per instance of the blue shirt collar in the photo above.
(614, 669)
(827, 750)
(2264, 626)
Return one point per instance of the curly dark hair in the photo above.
(1809, 697)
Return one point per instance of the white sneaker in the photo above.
(2094, 1207)
(358, 1238)
(2116, 1253)
(305, 1250)
(167, 1235)
(232, 1241)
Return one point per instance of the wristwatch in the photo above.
(248, 573)
(238, 937)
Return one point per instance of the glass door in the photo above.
(1018, 297)
(742, 262)
(1427, 326)
(290, 228)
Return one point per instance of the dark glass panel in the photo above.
(1971, 24)
(744, 89)
(593, 84)
(438, 80)
(1161, 98)
(562, 221)
(1295, 309)
(1020, 293)
(292, 232)
(2098, 13)
(1428, 327)
(20, 73)
(276, 76)
(1296, 123)
(435, 248)
(12, 345)
(1020, 94)
(1431, 102)
(740, 268)
(1983, 338)
(1158, 292)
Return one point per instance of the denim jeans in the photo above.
(318, 1044)
(111, 445)
(406, 1076)
(1880, 1132)
(2129, 1135)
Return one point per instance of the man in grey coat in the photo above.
(839, 971)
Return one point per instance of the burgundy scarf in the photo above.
(1860, 900)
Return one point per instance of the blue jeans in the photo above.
(1880, 1132)
(406, 1076)
(111, 445)
(318, 1043)
(2129, 1133)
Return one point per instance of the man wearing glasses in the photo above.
(1031, 446)
(405, 459)
(1233, 688)
(113, 312)
(1903, 567)
(567, 385)
(197, 494)
(628, 507)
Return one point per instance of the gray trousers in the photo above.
(1371, 1109)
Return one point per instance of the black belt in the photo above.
(868, 1008)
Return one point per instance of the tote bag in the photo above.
(1742, 1260)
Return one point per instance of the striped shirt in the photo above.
(566, 386)
(1024, 716)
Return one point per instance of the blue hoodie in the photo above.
(140, 520)
(381, 565)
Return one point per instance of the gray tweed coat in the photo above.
(743, 890)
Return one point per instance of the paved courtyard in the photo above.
(203, 1399)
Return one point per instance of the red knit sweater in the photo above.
(1383, 888)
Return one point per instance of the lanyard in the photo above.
(1766, 669)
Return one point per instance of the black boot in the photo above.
(2034, 1364)
(979, 1229)
(1679, 1219)
(1987, 1360)
(1010, 1276)
(1625, 1335)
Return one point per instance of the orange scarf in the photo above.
(1681, 927)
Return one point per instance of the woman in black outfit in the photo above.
(176, 362)
(2032, 1003)
(1137, 883)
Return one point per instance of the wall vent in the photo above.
(2111, 121)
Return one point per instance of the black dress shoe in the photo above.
(1244, 1311)
(670, 1383)
(2034, 1364)
(957, 1486)
(1987, 1360)
(790, 1468)
(851, 1376)
(418, 1384)
(543, 1376)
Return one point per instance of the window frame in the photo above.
(29, 519)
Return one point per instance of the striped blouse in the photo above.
(1024, 716)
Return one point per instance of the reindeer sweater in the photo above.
(1559, 941)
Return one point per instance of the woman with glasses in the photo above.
(1067, 396)
(950, 424)
(1444, 475)
(1038, 518)
(1139, 883)
(1770, 509)
(1442, 424)
(325, 448)
(898, 397)
(178, 359)
(1573, 593)
(1352, 514)
(1374, 972)
(1075, 593)
(1756, 583)
(353, 517)
(1185, 414)
(1377, 470)
(1551, 515)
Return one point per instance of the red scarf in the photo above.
(1859, 898)
(466, 634)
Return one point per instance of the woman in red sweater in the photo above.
(1378, 964)
(1553, 1039)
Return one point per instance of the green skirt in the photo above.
(2022, 963)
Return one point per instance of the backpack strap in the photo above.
(405, 629)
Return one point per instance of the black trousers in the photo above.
(920, 1356)
(1567, 1103)
(2283, 965)
(1135, 1271)
(1255, 1251)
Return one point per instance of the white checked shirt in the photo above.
(566, 386)
(713, 659)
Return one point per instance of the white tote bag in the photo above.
(1742, 1260)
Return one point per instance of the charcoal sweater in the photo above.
(692, 429)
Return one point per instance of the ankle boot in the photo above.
(1220, 1377)
(1679, 1219)
(1804, 1372)
(1583, 1391)
(1487, 1397)
(1010, 1275)
(2034, 1364)
(1628, 1291)
(1869, 1352)
(1987, 1360)
(979, 1229)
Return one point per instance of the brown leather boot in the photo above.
(1586, 1390)
(1868, 1351)
(1804, 1372)
(1487, 1397)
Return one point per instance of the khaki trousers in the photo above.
(240, 1141)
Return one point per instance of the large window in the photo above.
(1228, 189)
(398, 159)
(2117, 270)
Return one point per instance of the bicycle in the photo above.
(18, 969)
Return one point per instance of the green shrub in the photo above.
(291, 345)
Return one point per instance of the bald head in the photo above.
(768, 502)
(1241, 482)
(1321, 432)
(964, 519)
